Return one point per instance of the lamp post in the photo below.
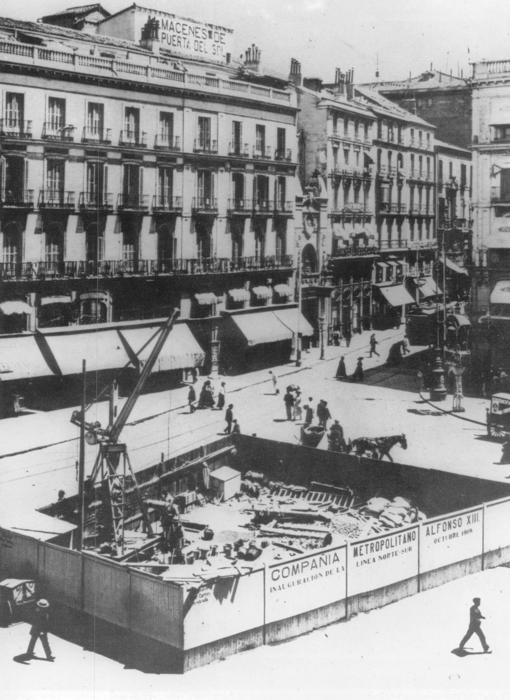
(457, 407)
(299, 300)
(438, 389)
(322, 321)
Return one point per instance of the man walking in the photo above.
(373, 345)
(192, 397)
(229, 418)
(308, 415)
(220, 404)
(475, 618)
(39, 629)
(274, 380)
(288, 400)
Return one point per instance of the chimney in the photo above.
(150, 35)
(339, 88)
(252, 58)
(295, 76)
(349, 84)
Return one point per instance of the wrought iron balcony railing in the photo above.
(96, 134)
(53, 131)
(133, 138)
(15, 128)
(56, 199)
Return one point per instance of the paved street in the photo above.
(441, 441)
(399, 652)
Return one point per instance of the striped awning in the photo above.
(206, 299)
(56, 299)
(262, 292)
(238, 295)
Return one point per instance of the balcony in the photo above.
(262, 153)
(95, 201)
(283, 154)
(133, 138)
(283, 207)
(382, 172)
(56, 132)
(263, 207)
(394, 244)
(96, 135)
(205, 146)
(499, 199)
(17, 199)
(205, 205)
(166, 142)
(15, 129)
(132, 202)
(56, 199)
(239, 149)
(355, 251)
(165, 202)
(240, 207)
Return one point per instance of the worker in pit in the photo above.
(169, 517)
(176, 540)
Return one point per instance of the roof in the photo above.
(443, 145)
(382, 105)
(34, 524)
(78, 11)
(13, 582)
(428, 80)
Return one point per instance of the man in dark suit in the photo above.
(229, 418)
(475, 622)
(39, 629)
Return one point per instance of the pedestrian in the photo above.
(229, 418)
(341, 372)
(475, 625)
(288, 400)
(39, 629)
(373, 345)
(274, 380)
(192, 397)
(405, 346)
(220, 404)
(336, 441)
(505, 451)
(308, 415)
(236, 428)
(347, 336)
(336, 337)
(358, 374)
(323, 413)
(298, 411)
(206, 399)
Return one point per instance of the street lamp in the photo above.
(438, 389)
(299, 300)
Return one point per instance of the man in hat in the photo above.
(39, 629)
(229, 418)
(475, 622)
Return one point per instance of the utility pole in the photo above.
(299, 299)
(81, 462)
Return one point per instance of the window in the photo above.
(356, 129)
(237, 138)
(131, 186)
(237, 240)
(420, 166)
(56, 114)
(95, 121)
(238, 191)
(412, 164)
(131, 125)
(14, 110)
(391, 133)
(54, 247)
(95, 183)
(412, 136)
(281, 145)
(12, 246)
(463, 174)
(261, 192)
(165, 188)
(366, 132)
(450, 169)
(130, 245)
(346, 126)
(428, 140)
(504, 187)
(281, 192)
(13, 180)
(55, 171)
(420, 138)
(428, 168)
(260, 242)
(166, 130)
(440, 172)
(260, 140)
(346, 155)
(205, 189)
(501, 132)
(281, 243)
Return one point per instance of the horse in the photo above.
(377, 447)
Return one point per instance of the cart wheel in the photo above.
(497, 432)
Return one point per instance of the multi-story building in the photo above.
(491, 185)
(454, 217)
(370, 165)
(439, 98)
(144, 169)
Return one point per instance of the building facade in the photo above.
(368, 172)
(143, 169)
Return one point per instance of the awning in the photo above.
(289, 318)
(455, 268)
(382, 265)
(264, 327)
(428, 288)
(57, 299)
(180, 350)
(206, 299)
(396, 295)
(239, 295)
(113, 349)
(262, 292)
(21, 358)
(34, 524)
(459, 319)
(283, 290)
(501, 293)
(15, 307)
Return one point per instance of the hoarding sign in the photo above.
(381, 561)
(496, 531)
(305, 583)
(451, 539)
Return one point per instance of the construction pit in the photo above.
(275, 540)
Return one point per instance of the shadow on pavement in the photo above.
(461, 653)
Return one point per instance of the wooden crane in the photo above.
(112, 465)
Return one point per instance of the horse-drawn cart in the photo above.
(498, 416)
(312, 435)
